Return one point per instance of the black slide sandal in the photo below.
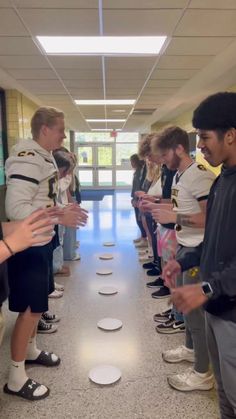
(27, 391)
(44, 358)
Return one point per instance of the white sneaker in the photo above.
(191, 380)
(143, 252)
(179, 354)
(145, 258)
(56, 294)
(142, 243)
(137, 240)
(77, 257)
(58, 287)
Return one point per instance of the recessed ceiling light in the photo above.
(105, 120)
(102, 45)
(105, 102)
(118, 111)
(105, 129)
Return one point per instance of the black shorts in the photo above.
(30, 278)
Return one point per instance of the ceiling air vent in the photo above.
(145, 111)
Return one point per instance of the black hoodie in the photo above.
(218, 259)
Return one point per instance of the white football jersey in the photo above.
(32, 179)
(192, 186)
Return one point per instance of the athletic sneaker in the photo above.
(77, 257)
(155, 271)
(191, 380)
(50, 318)
(142, 252)
(142, 243)
(44, 327)
(150, 265)
(145, 258)
(56, 294)
(137, 240)
(58, 287)
(162, 317)
(178, 355)
(157, 283)
(170, 327)
(163, 292)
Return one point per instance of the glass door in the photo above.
(96, 165)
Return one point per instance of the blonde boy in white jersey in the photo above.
(190, 191)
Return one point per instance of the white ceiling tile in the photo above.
(140, 22)
(173, 74)
(81, 93)
(33, 73)
(129, 63)
(83, 84)
(57, 4)
(23, 61)
(12, 45)
(181, 61)
(160, 90)
(10, 24)
(4, 3)
(41, 84)
(57, 98)
(65, 21)
(76, 62)
(124, 84)
(126, 74)
(207, 23)
(73, 74)
(213, 4)
(147, 4)
(122, 93)
(197, 45)
(165, 83)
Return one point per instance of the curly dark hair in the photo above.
(216, 113)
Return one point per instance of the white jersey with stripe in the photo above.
(192, 187)
(32, 179)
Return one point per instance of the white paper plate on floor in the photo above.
(109, 324)
(106, 256)
(108, 244)
(104, 272)
(108, 291)
(104, 374)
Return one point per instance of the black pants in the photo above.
(139, 222)
(152, 226)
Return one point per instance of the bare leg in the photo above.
(25, 327)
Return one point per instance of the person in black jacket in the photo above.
(215, 120)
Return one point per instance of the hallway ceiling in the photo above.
(199, 57)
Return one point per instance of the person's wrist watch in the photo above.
(207, 289)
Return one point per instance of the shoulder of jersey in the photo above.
(202, 167)
(28, 153)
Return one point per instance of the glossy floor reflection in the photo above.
(135, 349)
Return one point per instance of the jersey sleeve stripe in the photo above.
(202, 198)
(28, 179)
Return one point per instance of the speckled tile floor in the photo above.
(142, 392)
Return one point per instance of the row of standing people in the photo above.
(199, 275)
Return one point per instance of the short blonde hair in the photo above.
(44, 116)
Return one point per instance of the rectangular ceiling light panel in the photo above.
(105, 102)
(102, 45)
(105, 120)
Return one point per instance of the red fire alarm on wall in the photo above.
(113, 133)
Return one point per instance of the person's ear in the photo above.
(179, 150)
(43, 130)
(230, 136)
